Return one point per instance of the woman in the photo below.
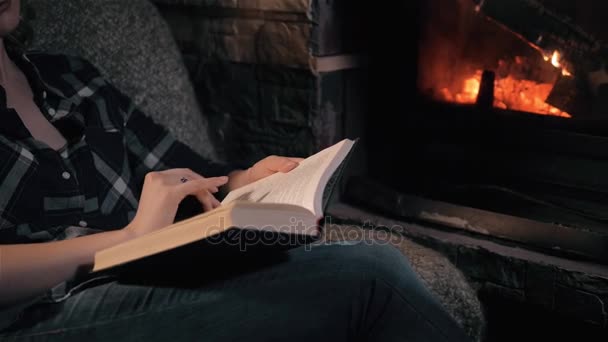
(83, 170)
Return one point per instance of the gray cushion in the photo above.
(133, 47)
(436, 271)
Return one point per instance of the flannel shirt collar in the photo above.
(32, 73)
(12, 126)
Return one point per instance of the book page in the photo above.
(297, 187)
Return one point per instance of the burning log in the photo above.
(571, 94)
(558, 38)
(508, 92)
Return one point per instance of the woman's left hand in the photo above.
(262, 169)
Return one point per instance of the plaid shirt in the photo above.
(93, 184)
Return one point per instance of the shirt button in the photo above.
(66, 175)
(83, 224)
(52, 111)
(44, 94)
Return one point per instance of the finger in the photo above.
(275, 164)
(214, 202)
(193, 186)
(192, 175)
(205, 197)
(290, 165)
(212, 190)
(206, 200)
(176, 176)
(176, 172)
(195, 176)
(183, 173)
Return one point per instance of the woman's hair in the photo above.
(21, 37)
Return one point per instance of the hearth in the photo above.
(476, 155)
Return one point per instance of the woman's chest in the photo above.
(83, 184)
(38, 126)
(21, 99)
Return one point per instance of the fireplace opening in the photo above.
(508, 124)
(457, 48)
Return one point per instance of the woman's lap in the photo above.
(332, 293)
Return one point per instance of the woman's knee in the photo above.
(367, 259)
(382, 286)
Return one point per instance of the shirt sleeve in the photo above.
(151, 147)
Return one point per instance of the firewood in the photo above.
(549, 31)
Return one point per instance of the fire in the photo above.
(556, 61)
(511, 93)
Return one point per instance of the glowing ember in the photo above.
(509, 93)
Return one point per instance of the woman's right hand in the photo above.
(162, 193)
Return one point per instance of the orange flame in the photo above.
(555, 58)
(509, 93)
(556, 61)
(512, 93)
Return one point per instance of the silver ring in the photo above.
(183, 179)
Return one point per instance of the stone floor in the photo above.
(526, 293)
(508, 321)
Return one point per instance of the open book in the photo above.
(284, 203)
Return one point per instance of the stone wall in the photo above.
(264, 75)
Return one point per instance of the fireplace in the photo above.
(513, 192)
(495, 133)
(474, 141)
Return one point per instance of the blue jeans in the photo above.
(356, 292)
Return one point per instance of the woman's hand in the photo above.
(262, 169)
(162, 193)
(29, 270)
